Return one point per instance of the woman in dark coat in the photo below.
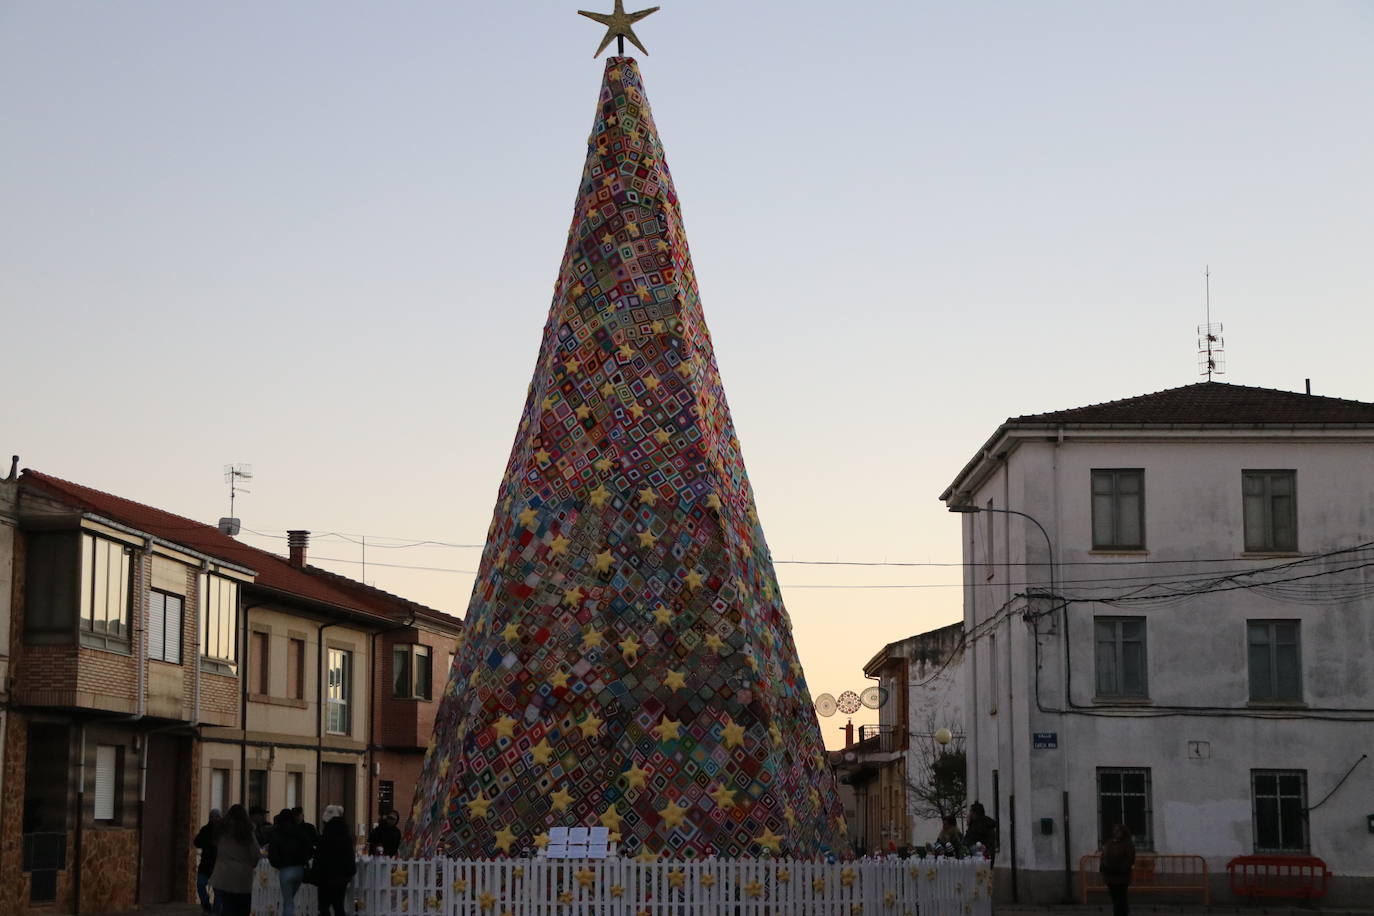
(1118, 858)
(334, 866)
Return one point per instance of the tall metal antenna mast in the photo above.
(1211, 357)
(233, 473)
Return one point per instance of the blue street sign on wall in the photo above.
(1045, 740)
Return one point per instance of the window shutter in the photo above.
(172, 613)
(106, 763)
(157, 624)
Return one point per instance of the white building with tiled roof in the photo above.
(1169, 622)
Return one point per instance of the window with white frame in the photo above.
(164, 627)
(1120, 657)
(106, 573)
(1279, 799)
(294, 794)
(219, 619)
(1123, 797)
(339, 678)
(1270, 510)
(411, 672)
(1275, 658)
(1118, 508)
(219, 789)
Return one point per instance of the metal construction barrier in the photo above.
(626, 887)
(1159, 874)
(1298, 877)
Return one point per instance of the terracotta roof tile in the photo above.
(1213, 403)
(273, 571)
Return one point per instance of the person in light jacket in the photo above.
(1118, 859)
(236, 859)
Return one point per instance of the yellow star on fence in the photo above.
(676, 877)
(486, 901)
(784, 875)
(460, 886)
(847, 877)
(818, 885)
(586, 877)
(565, 896)
(754, 889)
(646, 856)
(708, 880)
(617, 891)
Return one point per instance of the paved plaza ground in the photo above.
(1137, 909)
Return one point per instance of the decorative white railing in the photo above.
(625, 887)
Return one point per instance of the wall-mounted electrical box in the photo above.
(1047, 826)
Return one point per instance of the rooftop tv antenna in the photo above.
(1211, 357)
(233, 474)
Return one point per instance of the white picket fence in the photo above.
(624, 887)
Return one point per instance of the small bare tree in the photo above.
(938, 786)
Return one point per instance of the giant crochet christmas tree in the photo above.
(628, 661)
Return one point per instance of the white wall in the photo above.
(1196, 647)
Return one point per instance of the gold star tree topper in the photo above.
(619, 24)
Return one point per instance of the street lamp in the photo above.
(970, 509)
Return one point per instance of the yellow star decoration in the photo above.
(504, 727)
(647, 539)
(754, 889)
(723, 796)
(856, 909)
(478, 806)
(561, 799)
(712, 501)
(815, 798)
(646, 856)
(590, 725)
(733, 733)
(889, 898)
(768, 840)
(505, 837)
(658, 326)
(527, 516)
(847, 877)
(572, 596)
(591, 639)
(582, 411)
(672, 815)
(666, 728)
(675, 680)
(684, 369)
(635, 776)
(775, 733)
(486, 901)
(648, 497)
(784, 875)
(818, 885)
(565, 896)
(541, 752)
(571, 365)
(604, 560)
(559, 546)
(586, 877)
(610, 819)
(617, 891)
(752, 661)
(460, 886)
(676, 877)
(713, 642)
(599, 496)
(693, 579)
(708, 880)
(790, 815)
(607, 390)
(541, 840)
(651, 381)
(542, 456)
(636, 411)
(663, 436)
(604, 463)
(629, 647)
(662, 615)
(559, 678)
(512, 632)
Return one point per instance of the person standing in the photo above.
(981, 829)
(386, 836)
(335, 865)
(236, 858)
(205, 841)
(289, 852)
(1118, 860)
(949, 832)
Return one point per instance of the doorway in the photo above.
(166, 829)
(336, 788)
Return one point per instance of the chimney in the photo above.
(297, 542)
(849, 733)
